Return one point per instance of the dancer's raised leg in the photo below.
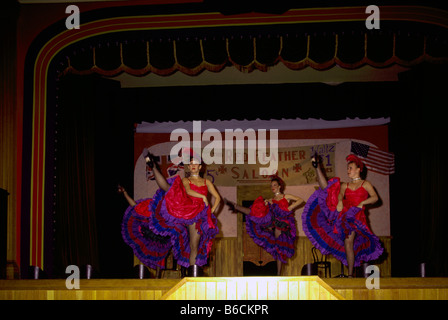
(160, 179)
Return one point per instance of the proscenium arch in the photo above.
(41, 76)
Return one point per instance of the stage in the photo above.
(228, 288)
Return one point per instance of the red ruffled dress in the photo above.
(262, 221)
(155, 226)
(327, 228)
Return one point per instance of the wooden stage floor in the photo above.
(228, 288)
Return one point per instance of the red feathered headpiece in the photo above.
(191, 155)
(356, 160)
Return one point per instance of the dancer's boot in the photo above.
(195, 271)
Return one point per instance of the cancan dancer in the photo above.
(178, 216)
(271, 223)
(334, 216)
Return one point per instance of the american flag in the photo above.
(375, 159)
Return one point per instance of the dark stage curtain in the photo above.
(431, 86)
(75, 221)
(418, 188)
(93, 152)
(433, 211)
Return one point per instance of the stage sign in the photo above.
(294, 167)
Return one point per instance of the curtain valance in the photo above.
(140, 53)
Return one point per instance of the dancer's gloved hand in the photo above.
(121, 189)
(230, 204)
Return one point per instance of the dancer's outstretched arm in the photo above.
(128, 197)
(235, 207)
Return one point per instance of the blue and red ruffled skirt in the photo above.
(156, 226)
(260, 225)
(327, 228)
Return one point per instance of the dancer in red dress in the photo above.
(271, 223)
(177, 218)
(334, 216)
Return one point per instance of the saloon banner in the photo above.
(294, 167)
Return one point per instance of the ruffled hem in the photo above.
(162, 223)
(151, 249)
(261, 230)
(327, 229)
